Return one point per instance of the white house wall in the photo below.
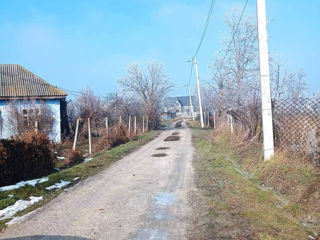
(6, 131)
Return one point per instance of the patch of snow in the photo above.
(55, 152)
(10, 195)
(70, 188)
(76, 178)
(86, 154)
(59, 185)
(61, 158)
(18, 206)
(23, 183)
(87, 159)
(58, 169)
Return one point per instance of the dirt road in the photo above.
(139, 197)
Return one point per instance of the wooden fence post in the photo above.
(89, 133)
(231, 123)
(76, 135)
(143, 124)
(36, 125)
(107, 124)
(147, 123)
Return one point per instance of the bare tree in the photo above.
(150, 87)
(285, 83)
(234, 70)
(25, 113)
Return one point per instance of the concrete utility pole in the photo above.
(120, 120)
(198, 88)
(214, 119)
(267, 126)
(190, 99)
(135, 124)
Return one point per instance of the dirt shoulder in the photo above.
(234, 204)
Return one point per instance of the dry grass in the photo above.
(278, 199)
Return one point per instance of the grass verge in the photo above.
(234, 203)
(100, 161)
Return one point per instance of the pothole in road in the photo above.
(178, 124)
(175, 133)
(162, 148)
(160, 155)
(172, 138)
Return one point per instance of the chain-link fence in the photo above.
(296, 124)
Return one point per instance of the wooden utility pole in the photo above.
(129, 123)
(267, 124)
(135, 124)
(76, 135)
(89, 135)
(198, 88)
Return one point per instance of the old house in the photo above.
(17, 85)
(181, 105)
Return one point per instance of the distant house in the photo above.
(181, 105)
(18, 83)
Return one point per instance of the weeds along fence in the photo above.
(296, 124)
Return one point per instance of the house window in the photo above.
(27, 113)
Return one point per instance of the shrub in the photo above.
(74, 157)
(25, 158)
(102, 143)
(118, 135)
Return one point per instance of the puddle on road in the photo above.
(150, 234)
(160, 155)
(172, 138)
(175, 133)
(162, 148)
(164, 199)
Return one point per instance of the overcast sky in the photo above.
(78, 43)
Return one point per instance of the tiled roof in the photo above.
(18, 82)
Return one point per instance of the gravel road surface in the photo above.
(138, 197)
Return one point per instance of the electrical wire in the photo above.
(77, 94)
(190, 76)
(213, 3)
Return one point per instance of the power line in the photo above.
(213, 3)
(78, 94)
(190, 76)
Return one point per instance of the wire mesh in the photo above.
(296, 124)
